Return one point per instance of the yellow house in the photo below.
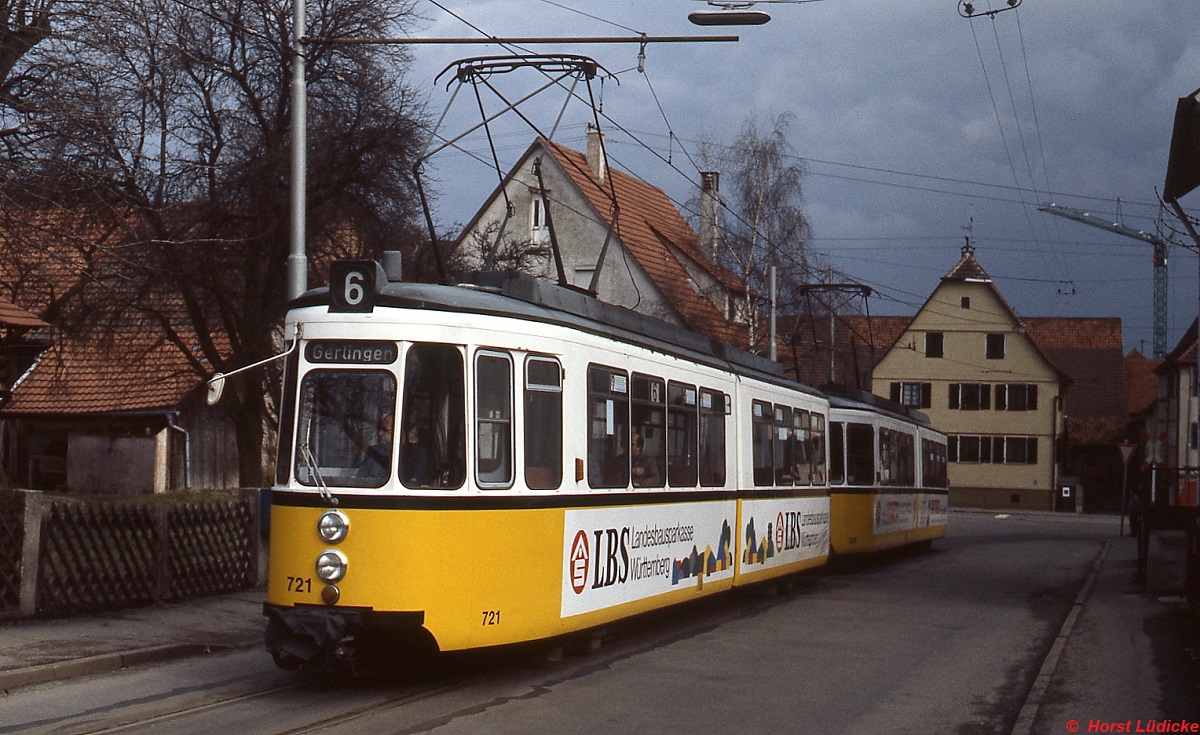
(967, 361)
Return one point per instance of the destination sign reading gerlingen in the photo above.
(351, 352)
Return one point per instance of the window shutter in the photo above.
(926, 395)
(896, 392)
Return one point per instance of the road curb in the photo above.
(107, 662)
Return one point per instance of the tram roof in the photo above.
(519, 295)
(861, 400)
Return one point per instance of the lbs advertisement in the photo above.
(618, 555)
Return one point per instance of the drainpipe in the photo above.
(187, 449)
(1055, 438)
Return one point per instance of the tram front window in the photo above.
(345, 436)
(433, 429)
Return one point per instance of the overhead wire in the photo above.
(1016, 188)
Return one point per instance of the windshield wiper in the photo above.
(311, 463)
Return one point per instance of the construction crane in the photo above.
(1160, 263)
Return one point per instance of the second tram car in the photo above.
(508, 460)
(888, 482)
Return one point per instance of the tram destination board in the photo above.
(345, 352)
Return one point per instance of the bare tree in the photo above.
(764, 220)
(170, 127)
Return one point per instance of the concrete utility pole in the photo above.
(297, 262)
(1160, 264)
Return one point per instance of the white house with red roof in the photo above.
(604, 221)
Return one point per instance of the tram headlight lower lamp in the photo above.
(331, 566)
(333, 526)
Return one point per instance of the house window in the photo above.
(1016, 397)
(970, 396)
(1014, 449)
(917, 395)
(934, 344)
(965, 302)
(995, 347)
(970, 449)
(538, 232)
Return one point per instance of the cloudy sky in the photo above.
(912, 121)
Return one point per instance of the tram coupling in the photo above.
(310, 640)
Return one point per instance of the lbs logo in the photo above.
(579, 559)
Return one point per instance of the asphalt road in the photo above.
(948, 640)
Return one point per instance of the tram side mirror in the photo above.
(216, 386)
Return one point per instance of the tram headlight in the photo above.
(331, 565)
(333, 526)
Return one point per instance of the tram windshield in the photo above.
(346, 429)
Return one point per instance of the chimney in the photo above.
(710, 208)
(595, 153)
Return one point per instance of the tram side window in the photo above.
(344, 436)
(761, 431)
(681, 434)
(933, 472)
(712, 438)
(837, 453)
(817, 453)
(897, 459)
(608, 427)
(860, 454)
(888, 457)
(543, 423)
(646, 442)
(785, 445)
(803, 450)
(493, 419)
(908, 459)
(433, 430)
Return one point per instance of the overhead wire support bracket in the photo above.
(474, 71)
(966, 8)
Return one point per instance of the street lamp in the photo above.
(736, 13)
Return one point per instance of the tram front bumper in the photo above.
(309, 638)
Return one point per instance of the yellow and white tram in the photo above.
(508, 460)
(888, 482)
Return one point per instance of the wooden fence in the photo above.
(60, 555)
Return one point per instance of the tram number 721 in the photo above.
(299, 584)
